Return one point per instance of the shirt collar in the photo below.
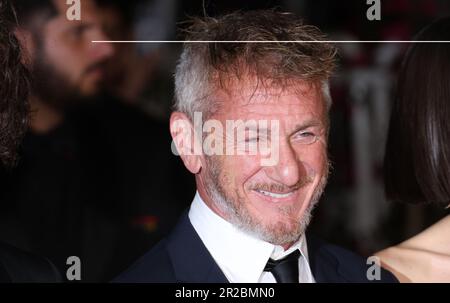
(241, 257)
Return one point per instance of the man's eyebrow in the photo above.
(298, 127)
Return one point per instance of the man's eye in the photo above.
(307, 134)
(250, 140)
(77, 32)
(306, 137)
(257, 139)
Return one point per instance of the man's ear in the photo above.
(27, 44)
(186, 143)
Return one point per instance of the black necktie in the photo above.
(285, 270)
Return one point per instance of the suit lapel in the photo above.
(193, 263)
(324, 266)
(190, 258)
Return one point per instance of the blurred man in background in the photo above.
(85, 186)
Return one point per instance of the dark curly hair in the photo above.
(14, 87)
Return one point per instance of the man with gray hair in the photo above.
(252, 86)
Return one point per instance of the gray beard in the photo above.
(238, 215)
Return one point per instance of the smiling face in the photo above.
(271, 202)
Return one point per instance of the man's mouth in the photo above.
(97, 69)
(281, 193)
(275, 195)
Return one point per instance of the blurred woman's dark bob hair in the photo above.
(417, 160)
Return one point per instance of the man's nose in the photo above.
(103, 50)
(288, 170)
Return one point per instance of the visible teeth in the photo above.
(275, 195)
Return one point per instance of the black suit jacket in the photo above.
(20, 267)
(183, 257)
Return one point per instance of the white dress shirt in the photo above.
(241, 257)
